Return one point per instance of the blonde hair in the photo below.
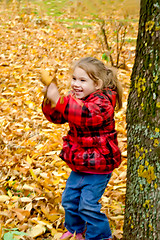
(96, 70)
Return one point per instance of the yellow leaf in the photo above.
(9, 193)
(33, 174)
(56, 181)
(0, 230)
(158, 104)
(36, 231)
(39, 147)
(57, 236)
(124, 154)
(157, 130)
(53, 232)
(21, 214)
(117, 233)
(46, 79)
(155, 185)
(61, 100)
(28, 187)
(119, 217)
(29, 160)
(74, 237)
(4, 198)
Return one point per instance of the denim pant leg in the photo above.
(97, 223)
(70, 202)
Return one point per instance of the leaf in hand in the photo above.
(46, 79)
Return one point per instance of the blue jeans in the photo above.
(82, 209)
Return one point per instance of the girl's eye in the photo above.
(83, 80)
(74, 78)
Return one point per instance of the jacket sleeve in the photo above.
(51, 113)
(92, 113)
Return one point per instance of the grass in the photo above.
(53, 7)
(61, 10)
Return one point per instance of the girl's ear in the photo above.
(99, 84)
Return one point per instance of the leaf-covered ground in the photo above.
(32, 176)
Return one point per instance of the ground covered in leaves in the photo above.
(32, 176)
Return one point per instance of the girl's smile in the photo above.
(82, 85)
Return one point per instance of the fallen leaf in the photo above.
(36, 231)
(4, 198)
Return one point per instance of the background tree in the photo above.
(143, 129)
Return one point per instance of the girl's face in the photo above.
(82, 85)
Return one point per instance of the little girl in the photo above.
(90, 149)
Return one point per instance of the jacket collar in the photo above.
(111, 94)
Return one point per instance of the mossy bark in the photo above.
(142, 211)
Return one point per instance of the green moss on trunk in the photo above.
(143, 129)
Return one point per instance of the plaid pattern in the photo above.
(91, 144)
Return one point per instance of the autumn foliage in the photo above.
(32, 176)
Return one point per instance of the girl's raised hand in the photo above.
(50, 89)
(52, 93)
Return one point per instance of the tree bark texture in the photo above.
(142, 211)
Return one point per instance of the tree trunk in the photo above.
(142, 212)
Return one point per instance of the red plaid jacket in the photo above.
(91, 144)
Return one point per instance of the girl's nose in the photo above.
(76, 83)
